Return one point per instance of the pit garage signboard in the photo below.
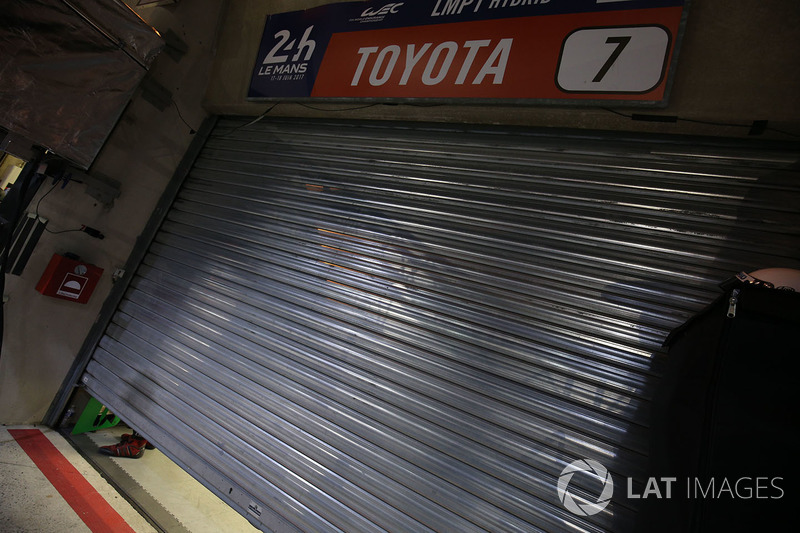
(543, 51)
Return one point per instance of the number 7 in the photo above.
(621, 43)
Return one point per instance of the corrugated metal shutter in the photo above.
(367, 326)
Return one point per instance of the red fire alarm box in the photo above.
(69, 279)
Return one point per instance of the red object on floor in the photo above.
(90, 506)
(69, 279)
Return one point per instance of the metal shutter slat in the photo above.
(347, 326)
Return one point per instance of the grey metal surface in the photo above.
(366, 327)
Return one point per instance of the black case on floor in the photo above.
(725, 418)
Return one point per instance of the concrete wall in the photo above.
(738, 63)
(43, 334)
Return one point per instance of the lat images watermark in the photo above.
(587, 466)
(743, 488)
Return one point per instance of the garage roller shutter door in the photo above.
(367, 326)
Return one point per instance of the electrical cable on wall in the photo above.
(756, 128)
(92, 232)
(237, 128)
(308, 106)
(332, 110)
(192, 131)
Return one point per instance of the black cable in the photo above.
(708, 122)
(308, 106)
(192, 131)
(343, 109)
(36, 211)
(62, 231)
(262, 115)
(43, 197)
(237, 128)
(790, 134)
(711, 123)
(616, 112)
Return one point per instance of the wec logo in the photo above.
(385, 10)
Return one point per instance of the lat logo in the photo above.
(385, 10)
(575, 504)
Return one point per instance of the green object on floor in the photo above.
(95, 416)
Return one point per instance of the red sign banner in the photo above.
(550, 55)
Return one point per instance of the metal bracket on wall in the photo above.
(99, 186)
(23, 242)
(16, 145)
